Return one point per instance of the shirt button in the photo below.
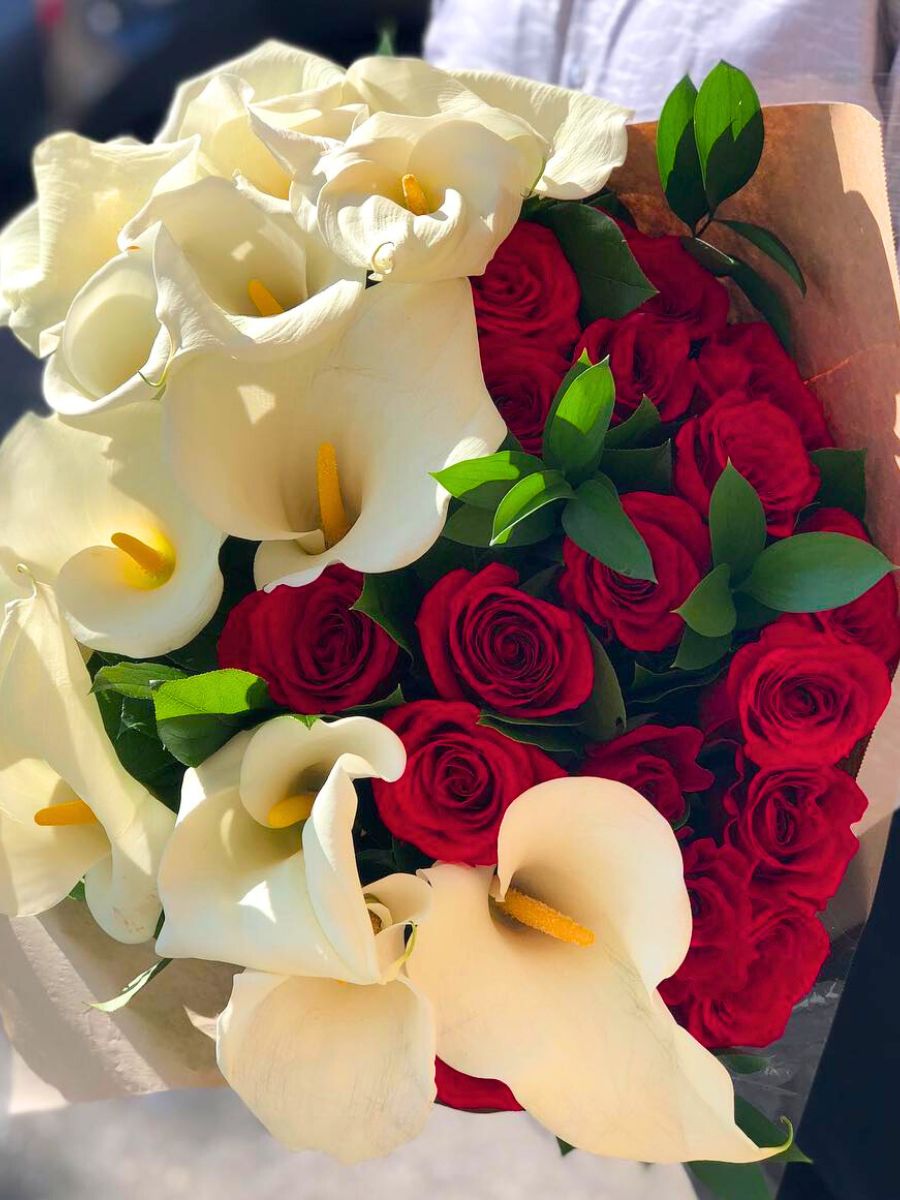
(575, 73)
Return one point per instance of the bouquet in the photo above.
(438, 596)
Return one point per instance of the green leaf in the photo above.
(541, 583)
(677, 157)
(737, 523)
(578, 420)
(751, 614)
(133, 679)
(728, 126)
(485, 481)
(131, 728)
(372, 708)
(645, 468)
(709, 609)
(391, 602)
(77, 892)
(813, 572)
(612, 284)
(649, 688)
(766, 1133)
(130, 990)
(564, 1147)
(740, 1063)
(604, 713)
(758, 290)
(555, 739)
(474, 527)
(732, 1181)
(843, 479)
(387, 39)
(771, 245)
(696, 652)
(596, 521)
(196, 716)
(636, 429)
(525, 498)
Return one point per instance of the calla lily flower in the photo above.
(67, 807)
(211, 263)
(86, 191)
(275, 86)
(586, 135)
(423, 198)
(325, 456)
(544, 973)
(134, 565)
(324, 1038)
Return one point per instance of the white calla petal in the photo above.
(578, 1032)
(52, 729)
(243, 435)
(86, 191)
(330, 1066)
(123, 486)
(406, 901)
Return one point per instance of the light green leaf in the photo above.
(843, 479)
(603, 715)
(774, 247)
(130, 990)
(814, 572)
(596, 521)
(198, 715)
(644, 468)
(676, 154)
(635, 430)
(737, 523)
(525, 498)
(391, 601)
(709, 609)
(612, 284)
(578, 420)
(728, 127)
(470, 526)
(133, 679)
(485, 481)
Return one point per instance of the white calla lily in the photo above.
(134, 565)
(86, 191)
(67, 807)
(295, 87)
(545, 976)
(418, 199)
(323, 1038)
(325, 456)
(210, 263)
(586, 135)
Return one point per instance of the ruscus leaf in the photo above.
(842, 479)
(814, 572)
(578, 420)
(484, 482)
(596, 521)
(728, 126)
(528, 496)
(774, 247)
(737, 523)
(709, 609)
(677, 157)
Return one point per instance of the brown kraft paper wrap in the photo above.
(821, 188)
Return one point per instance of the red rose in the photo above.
(872, 619)
(793, 825)
(529, 292)
(637, 612)
(460, 779)
(658, 762)
(687, 294)
(523, 380)
(787, 946)
(485, 640)
(802, 697)
(762, 443)
(747, 362)
(316, 655)
(466, 1092)
(648, 357)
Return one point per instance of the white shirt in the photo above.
(635, 51)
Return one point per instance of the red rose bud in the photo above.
(803, 697)
(871, 620)
(485, 640)
(637, 612)
(658, 762)
(763, 444)
(316, 655)
(529, 293)
(460, 779)
(793, 825)
(465, 1092)
(748, 362)
(523, 379)
(687, 294)
(648, 357)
